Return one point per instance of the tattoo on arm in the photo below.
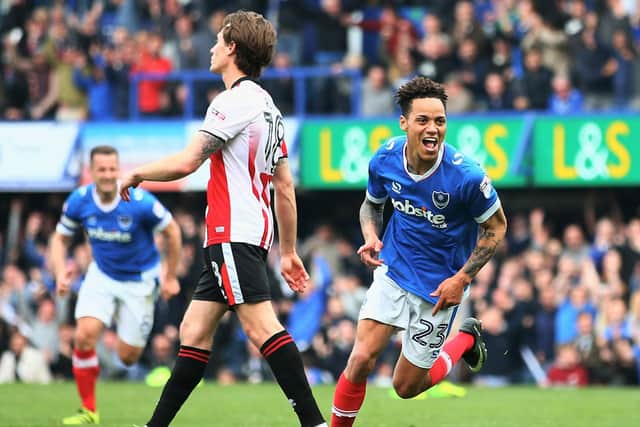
(210, 144)
(484, 250)
(371, 213)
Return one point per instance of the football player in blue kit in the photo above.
(121, 283)
(446, 223)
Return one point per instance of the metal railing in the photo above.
(299, 75)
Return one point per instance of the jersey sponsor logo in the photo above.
(396, 187)
(440, 199)
(125, 221)
(485, 187)
(109, 236)
(436, 220)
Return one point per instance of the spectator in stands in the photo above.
(577, 301)
(282, 88)
(395, 33)
(590, 350)
(460, 98)
(89, 76)
(472, 66)
(23, 363)
(549, 41)
(544, 325)
(565, 99)
(567, 369)
(498, 96)
(151, 61)
(533, 89)
(187, 50)
(377, 93)
(466, 26)
(434, 56)
(594, 67)
(623, 78)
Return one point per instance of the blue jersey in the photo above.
(434, 225)
(120, 234)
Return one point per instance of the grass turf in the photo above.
(125, 404)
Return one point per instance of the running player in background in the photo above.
(122, 280)
(430, 252)
(243, 136)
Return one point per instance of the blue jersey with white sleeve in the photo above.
(434, 225)
(120, 233)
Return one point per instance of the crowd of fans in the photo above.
(569, 297)
(75, 59)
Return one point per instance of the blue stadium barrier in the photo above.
(298, 74)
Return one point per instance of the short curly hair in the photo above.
(419, 87)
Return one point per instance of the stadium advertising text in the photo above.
(587, 151)
(335, 154)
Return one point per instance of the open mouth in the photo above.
(430, 143)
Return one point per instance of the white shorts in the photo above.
(130, 304)
(424, 334)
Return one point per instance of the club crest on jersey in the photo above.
(92, 220)
(440, 199)
(125, 221)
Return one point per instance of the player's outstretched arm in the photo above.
(58, 245)
(286, 212)
(169, 285)
(175, 166)
(492, 231)
(371, 215)
(451, 290)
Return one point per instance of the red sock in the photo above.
(347, 401)
(449, 356)
(86, 370)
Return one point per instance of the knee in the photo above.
(361, 364)
(405, 390)
(85, 339)
(129, 357)
(193, 334)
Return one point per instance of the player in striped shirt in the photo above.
(243, 137)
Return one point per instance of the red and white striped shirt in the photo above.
(238, 195)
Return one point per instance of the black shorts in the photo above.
(234, 273)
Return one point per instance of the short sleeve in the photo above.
(227, 115)
(376, 192)
(70, 220)
(153, 212)
(480, 195)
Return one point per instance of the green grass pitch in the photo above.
(125, 404)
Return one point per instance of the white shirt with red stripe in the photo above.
(238, 196)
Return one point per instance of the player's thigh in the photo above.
(234, 273)
(259, 321)
(136, 304)
(200, 322)
(425, 336)
(385, 302)
(97, 296)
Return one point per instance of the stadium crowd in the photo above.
(74, 60)
(569, 297)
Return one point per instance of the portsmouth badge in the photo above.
(440, 199)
